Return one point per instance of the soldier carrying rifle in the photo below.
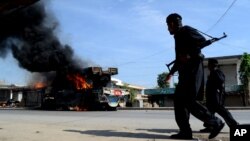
(189, 65)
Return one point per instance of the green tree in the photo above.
(132, 93)
(245, 74)
(245, 69)
(161, 80)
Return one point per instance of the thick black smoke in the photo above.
(32, 42)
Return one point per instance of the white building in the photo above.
(140, 97)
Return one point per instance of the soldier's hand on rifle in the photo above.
(168, 77)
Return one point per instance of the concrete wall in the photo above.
(234, 100)
(230, 72)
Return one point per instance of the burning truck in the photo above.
(84, 89)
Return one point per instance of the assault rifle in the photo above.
(206, 43)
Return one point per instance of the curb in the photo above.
(120, 108)
(172, 108)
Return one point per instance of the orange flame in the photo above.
(39, 85)
(79, 81)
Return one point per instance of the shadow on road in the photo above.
(112, 133)
(169, 131)
(196, 134)
(160, 130)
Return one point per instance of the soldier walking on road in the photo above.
(215, 95)
(189, 64)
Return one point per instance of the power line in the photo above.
(154, 54)
(222, 16)
(141, 58)
(239, 48)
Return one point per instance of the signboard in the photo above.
(162, 91)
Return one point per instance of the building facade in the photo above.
(230, 65)
(13, 96)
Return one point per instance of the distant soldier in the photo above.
(215, 95)
(189, 65)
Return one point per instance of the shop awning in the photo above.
(163, 91)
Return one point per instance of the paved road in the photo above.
(125, 125)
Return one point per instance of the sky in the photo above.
(132, 34)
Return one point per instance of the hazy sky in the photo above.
(132, 34)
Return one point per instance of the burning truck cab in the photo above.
(86, 89)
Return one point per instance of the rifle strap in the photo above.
(204, 33)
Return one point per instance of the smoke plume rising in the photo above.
(32, 42)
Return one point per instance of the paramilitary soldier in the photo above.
(189, 64)
(215, 95)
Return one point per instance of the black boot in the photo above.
(216, 130)
(182, 135)
(206, 130)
